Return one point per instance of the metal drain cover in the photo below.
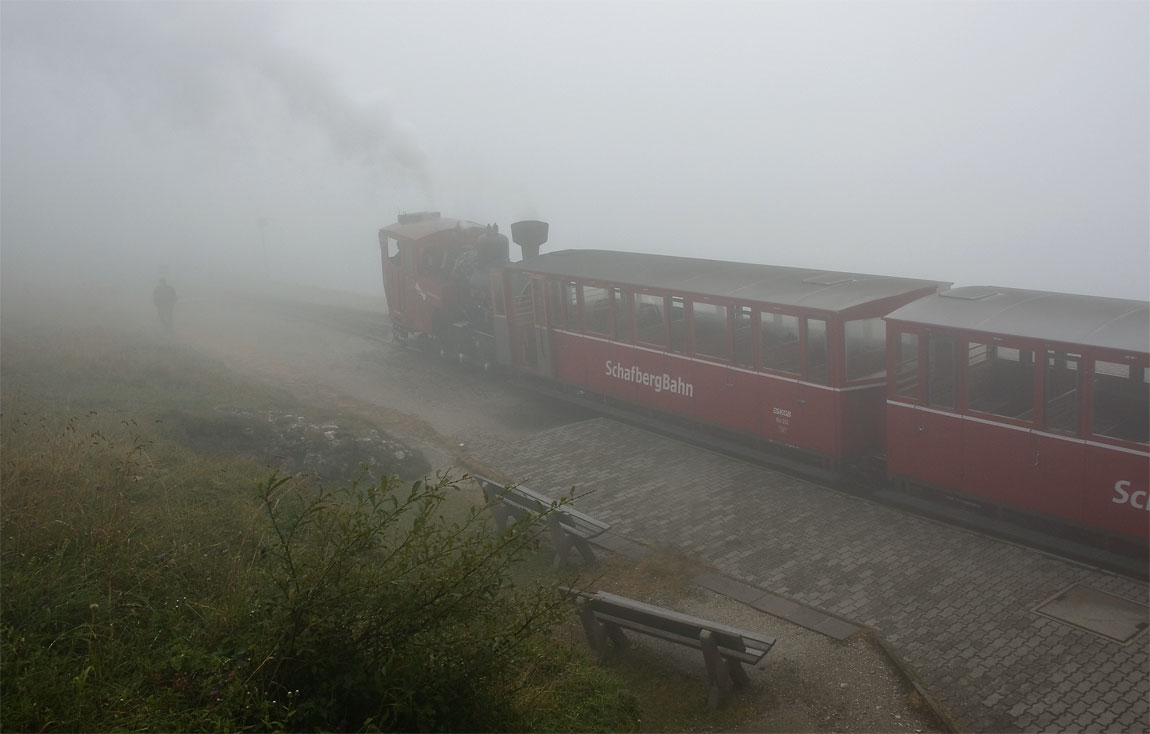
(1096, 611)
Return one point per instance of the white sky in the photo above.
(976, 142)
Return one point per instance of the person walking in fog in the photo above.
(165, 299)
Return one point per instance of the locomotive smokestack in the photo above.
(529, 235)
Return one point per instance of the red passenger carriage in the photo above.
(784, 355)
(1025, 400)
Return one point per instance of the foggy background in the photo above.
(974, 142)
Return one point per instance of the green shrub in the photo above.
(126, 604)
(143, 586)
(376, 612)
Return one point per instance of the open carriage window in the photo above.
(780, 342)
(1000, 380)
(678, 323)
(1121, 396)
(817, 366)
(571, 305)
(622, 323)
(1062, 392)
(555, 305)
(649, 327)
(906, 377)
(596, 310)
(940, 371)
(710, 330)
(744, 336)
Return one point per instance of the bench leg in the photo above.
(738, 674)
(596, 635)
(501, 514)
(717, 672)
(615, 633)
(585, 551)
(561, 543)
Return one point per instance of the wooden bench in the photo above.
(569, 527)
(725, 649)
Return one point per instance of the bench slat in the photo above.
(528, 500)
(619, 605)
(750, 655)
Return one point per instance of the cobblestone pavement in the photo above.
(956, 605)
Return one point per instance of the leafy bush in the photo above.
(143, 586)
(126, 605)
(376, 612)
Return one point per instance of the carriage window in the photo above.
(407, 258)
(780, 342)
(540, 302)
(649, 327)
(940, 371)
(1000, 380)
(865, 348)
(555, 305)
(622, 323)
(571, 305)
(430, 261)
(906, 377)
(744, 336)
(596, 310)
(1121, 396)
(678, 325)
(817, 367)
(1062, 385)
(710, 329)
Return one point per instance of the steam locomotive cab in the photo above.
(442, 277)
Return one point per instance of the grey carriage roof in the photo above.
(814, 289)
(1111, 323)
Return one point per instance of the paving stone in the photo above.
(729, 587)
(836, 628)
(807, 617)
(776, 605)
(957, 605)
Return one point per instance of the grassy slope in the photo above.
(129, 534)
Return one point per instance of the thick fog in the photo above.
(974, 142)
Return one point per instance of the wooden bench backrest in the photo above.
(679, 624)
(529, 500)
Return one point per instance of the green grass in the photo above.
(136, 575)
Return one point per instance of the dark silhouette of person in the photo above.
(165, 299)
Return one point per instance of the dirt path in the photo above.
(336, 354)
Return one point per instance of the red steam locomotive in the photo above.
(1024, 403)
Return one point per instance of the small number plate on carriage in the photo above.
(1107, 615)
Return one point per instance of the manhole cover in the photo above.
(1096, 611)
